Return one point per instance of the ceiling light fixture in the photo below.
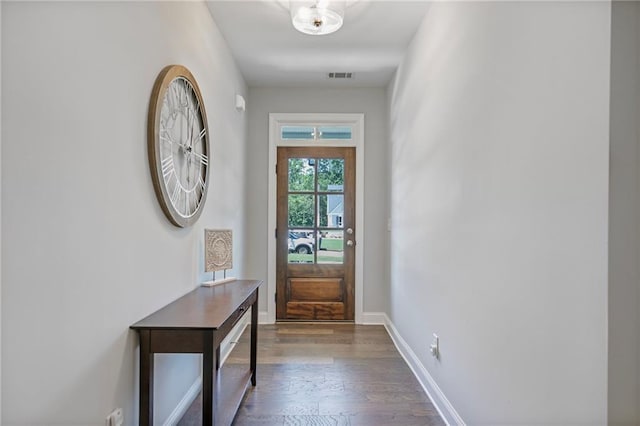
(317, 17)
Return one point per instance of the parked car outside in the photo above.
(300, 245)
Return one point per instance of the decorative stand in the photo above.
(218, 254)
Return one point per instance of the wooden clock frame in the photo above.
(162, 84)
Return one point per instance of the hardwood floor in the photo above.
(327, 374)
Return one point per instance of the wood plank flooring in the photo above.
(327, 374)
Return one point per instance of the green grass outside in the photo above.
(332, 244)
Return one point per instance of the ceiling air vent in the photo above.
(340, 75)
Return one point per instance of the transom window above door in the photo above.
(316, 133)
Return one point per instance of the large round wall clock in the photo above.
(178, 141)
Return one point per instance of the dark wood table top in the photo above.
(203, 308)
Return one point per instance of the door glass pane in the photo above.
(301, 174)
(331, 245)
(298, 132)
(331, 174)
(301, 210)
(330, 210)
(334, 132)
(302, 245)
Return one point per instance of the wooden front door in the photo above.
(316, 233)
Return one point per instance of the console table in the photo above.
(197, 323)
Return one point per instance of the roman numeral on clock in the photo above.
(168, 168)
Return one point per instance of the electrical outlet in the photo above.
(435, 346)
(116, 418)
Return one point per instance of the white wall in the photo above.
(624, 214)
(371, 102)
(87, 250)
(499, 173)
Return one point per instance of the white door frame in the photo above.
(276, 121)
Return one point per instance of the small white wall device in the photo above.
(116, 418)
(240, 104)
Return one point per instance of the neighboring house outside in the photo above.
(335, 207)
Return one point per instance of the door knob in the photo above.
(349, 231)
(349, 243)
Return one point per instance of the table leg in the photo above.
(208, 378)
(146, 379)
(254, 339)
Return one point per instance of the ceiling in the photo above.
(271, 53)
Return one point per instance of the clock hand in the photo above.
(165, 135)
(187, 139)
(188, 155)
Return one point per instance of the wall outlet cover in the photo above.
(116, 418)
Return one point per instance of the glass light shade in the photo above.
(317, 17)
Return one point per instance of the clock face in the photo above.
(179, 145)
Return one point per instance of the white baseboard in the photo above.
(435, 394)
(184, 403)
(374, 318)
(263, 318)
